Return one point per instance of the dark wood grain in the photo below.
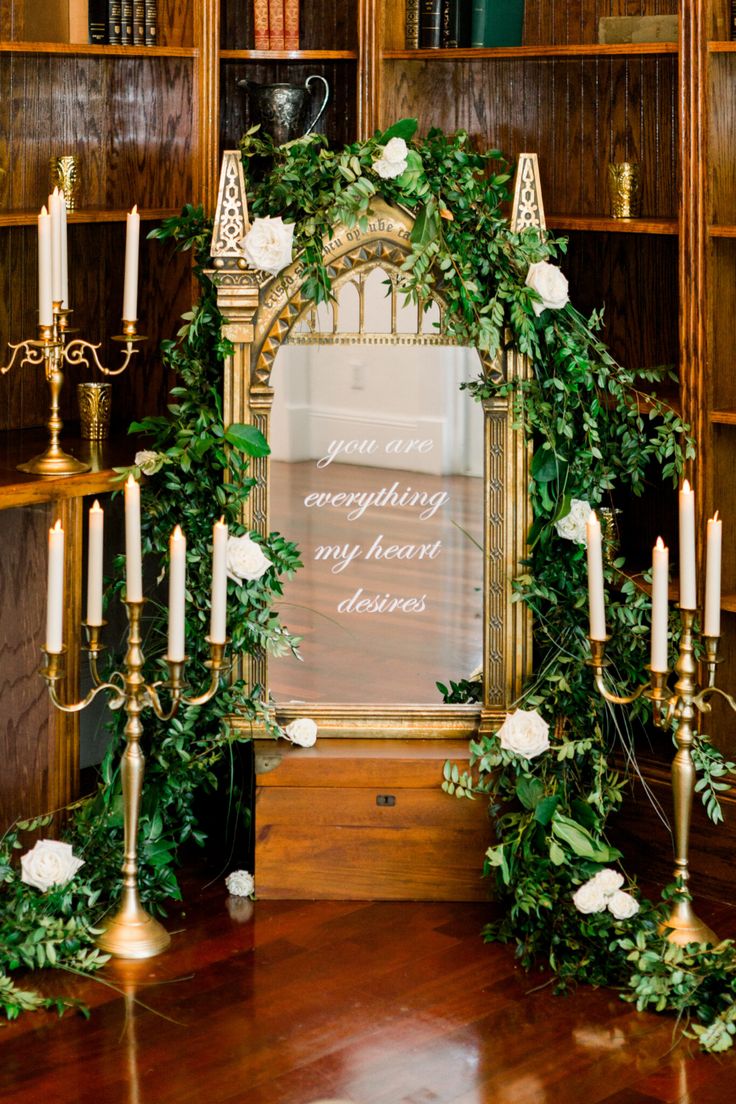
(290, 1002)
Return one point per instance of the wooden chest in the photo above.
(367, 820)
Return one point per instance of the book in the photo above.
(139, 23)
(114, 22)
(291, 24)
(504, 23)
(151, 16)
(637, 28)
(56, 21)
(97, 22)
(478, 23)
(412, 24)
(126, 22)
(430, 23)
(456, 20)
(260, 25)
(276, 24)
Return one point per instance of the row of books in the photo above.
(450, 24)
(107, 22)
(276, 24)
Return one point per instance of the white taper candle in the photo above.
(712, 621)
(218, 611)
(55, 201)
(596, 600)
(45, 306)
(55, 590)
(94, 564)
(133, 560)
(177, 594)
(130, 286)
(660, 606)
(688, 582)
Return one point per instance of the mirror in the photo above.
(376, 473)
(367, 360)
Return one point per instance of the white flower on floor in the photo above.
(268, 244)
(240, 883)
(622, 905)
(302, 731)
(550, 284)
(392, 161)
(149, 461)
(49, 863)
(246, 560)
(572, 525)
(524, 733)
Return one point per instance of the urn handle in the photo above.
(320, 113)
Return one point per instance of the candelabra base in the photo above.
(132, 933)
(686, 927)
(54, 462)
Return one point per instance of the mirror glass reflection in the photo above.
(376, 473)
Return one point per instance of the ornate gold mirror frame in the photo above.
(260, 313)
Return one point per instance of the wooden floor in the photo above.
(374, 1003)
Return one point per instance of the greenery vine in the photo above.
(596, 427)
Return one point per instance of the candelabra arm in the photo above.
(702, 704)
(151, 691)
(34, 353)
(53, 672)
(78, 350)
(217, 667)
(599, 663)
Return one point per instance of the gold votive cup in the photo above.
(64, 174)
(624, 188)
(95, 403)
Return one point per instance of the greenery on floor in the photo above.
(595, 427)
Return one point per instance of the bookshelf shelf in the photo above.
(725, 231)
(606, 225)
(81, 49)
(571, 52)
(723, 417)
(91, 215)
(289, 55)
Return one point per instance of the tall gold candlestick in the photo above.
(676, 707)
(132, 932)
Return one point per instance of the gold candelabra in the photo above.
(132, 932)
(53, 349)
(676, 707)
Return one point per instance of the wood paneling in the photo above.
(576, 114)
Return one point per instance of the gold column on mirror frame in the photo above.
(676, 708)
(52, 349)
(132, 932)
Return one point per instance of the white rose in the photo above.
(524, 733)
(49, 863)
(302, 731)
(608, 880)
(590, 897)
(245, 559)
(268, 244)
(550, 284)
(240, 883)
(572, 525)
(623, 905)
(392, 161)
(149, 462)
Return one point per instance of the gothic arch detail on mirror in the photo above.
(261, 313)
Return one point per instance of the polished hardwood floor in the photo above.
(278, 1002)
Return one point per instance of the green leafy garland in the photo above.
(595, 429)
